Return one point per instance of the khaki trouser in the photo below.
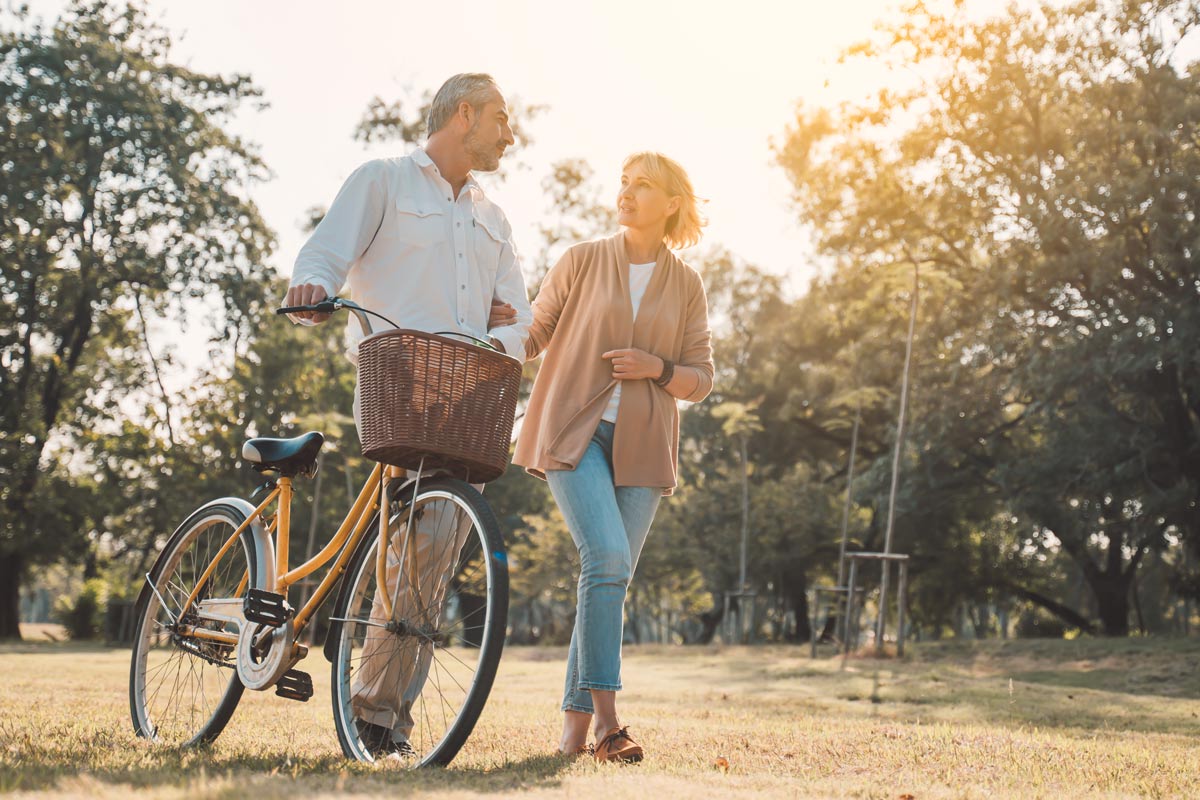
(393, 668)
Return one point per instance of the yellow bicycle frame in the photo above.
(342, 545)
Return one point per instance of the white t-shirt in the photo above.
(639, 279)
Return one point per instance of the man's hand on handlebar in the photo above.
(307, 294)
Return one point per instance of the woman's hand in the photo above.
(501, 314)
(633, 364)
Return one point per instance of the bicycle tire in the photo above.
(153, 716)
(480, 557)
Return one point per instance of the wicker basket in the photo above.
(424, 396)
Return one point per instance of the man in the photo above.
(419, 243)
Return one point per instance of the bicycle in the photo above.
(213, 617)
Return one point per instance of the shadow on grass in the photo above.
(205, 770)
(1137, 685)
(1149, 682)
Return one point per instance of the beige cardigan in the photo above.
(584, 310)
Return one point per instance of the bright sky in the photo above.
(709, 83)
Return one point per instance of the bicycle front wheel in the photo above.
(414, 682)
(183, 681)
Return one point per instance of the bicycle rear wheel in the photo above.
(423, 674)
(183, 687)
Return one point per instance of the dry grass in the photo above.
(1056, 720)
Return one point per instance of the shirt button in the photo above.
(464, 286)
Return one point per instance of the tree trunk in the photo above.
(799, 602)
(829, 631)
(1112, 600)
(10, 595)
(710, 621)
(1066, 614)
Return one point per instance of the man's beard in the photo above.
(483, 157)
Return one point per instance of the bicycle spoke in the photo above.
(181, 683)
(438, 579)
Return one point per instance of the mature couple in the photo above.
(623, 324)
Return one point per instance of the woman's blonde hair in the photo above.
(683, 227)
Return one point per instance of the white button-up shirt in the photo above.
(414, 253)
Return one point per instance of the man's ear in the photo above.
(466, 113)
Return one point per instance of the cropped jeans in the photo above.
(609, 525)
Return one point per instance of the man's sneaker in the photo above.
(378, 740)
(401, 751)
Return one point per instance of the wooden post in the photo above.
(891, 517)
(885, 569)
(725, 619)
(816, 608)
(850, 603)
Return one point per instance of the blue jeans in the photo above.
(609, 525)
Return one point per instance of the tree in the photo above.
(1044, 162)
(120, 190)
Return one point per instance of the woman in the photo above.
(624, 326)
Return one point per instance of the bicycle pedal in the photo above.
(295, 685)
(267, 608)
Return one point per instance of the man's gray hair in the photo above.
(470, 87)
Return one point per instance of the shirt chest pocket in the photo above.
(418, 225)
(489, 241)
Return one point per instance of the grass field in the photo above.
(1088, 719)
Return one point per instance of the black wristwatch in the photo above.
(668, 372)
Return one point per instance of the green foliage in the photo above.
(122, 194)
(1037, 623)
(1040, 168)
(82, 615)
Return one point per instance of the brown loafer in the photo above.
(618, 745)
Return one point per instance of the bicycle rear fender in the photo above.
(262, 553)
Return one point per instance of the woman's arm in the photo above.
(693, 378)
(548, 305)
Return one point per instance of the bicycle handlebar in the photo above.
(332, 304)
(323, 307)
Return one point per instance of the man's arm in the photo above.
(510, 288)
(340, 239)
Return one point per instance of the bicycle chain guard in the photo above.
(264, 654)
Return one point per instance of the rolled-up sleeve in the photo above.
(695, 357)
(510, 288)
(345, 233)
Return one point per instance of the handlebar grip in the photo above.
(323, 307)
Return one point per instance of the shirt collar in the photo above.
(422, 160)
